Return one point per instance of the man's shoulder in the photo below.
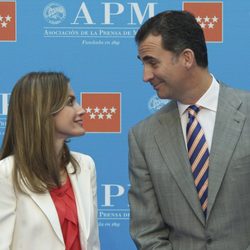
(234, 95)
(233, 90)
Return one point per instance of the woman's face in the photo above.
(69, 120)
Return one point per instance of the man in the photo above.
(189, 163)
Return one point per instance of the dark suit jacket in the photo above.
(165, 209)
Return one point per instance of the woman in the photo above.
(47, 193)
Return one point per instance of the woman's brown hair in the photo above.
(29, 134)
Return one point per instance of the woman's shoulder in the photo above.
(6, 166)
(83, 159)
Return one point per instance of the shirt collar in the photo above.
(209, 100)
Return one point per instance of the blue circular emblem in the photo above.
(155, 103)
(54, 13)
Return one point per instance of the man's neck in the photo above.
(200, 81)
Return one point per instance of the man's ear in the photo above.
(188, 58)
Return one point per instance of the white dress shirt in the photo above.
(207, 114)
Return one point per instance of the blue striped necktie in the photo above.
(198, 155)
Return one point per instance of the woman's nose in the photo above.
(80, 109)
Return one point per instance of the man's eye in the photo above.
(153, 63)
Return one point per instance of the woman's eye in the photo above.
(70, 102)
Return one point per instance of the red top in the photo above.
(65, 204)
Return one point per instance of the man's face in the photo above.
(162, 68)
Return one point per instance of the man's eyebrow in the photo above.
(146, 58)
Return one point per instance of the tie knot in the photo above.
(193, 110)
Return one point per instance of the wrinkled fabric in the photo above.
(64, 201)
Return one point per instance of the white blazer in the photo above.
(30, 221)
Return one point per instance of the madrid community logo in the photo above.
(102, 112)
(7, 21)
(54, 13)
(209, 16)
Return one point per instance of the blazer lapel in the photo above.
(174, 152)
(46, 204)
(81, 186)
(228, 126)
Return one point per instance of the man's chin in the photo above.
(161, 95)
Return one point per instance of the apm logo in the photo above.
(54, 13)
(112, 20)
(114, 204)
(155, 103)
(4, 101)
(112, 194)
(111, 11)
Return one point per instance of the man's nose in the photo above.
(147, 74)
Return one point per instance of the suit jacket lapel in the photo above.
(46, 204)
(228, 126)
(174, 152)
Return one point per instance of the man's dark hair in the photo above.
(179, 31)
